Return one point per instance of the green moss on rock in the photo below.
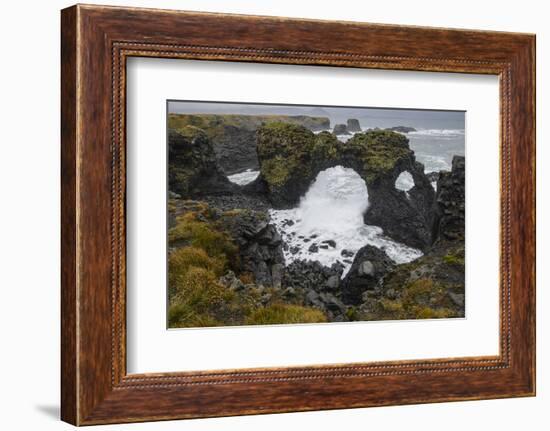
(326, 147)
(291, 156)
(276, 171)
(234, 136)
(379, 151)
(284, 151)
(455, 257)
(192, 132)
(214, 123)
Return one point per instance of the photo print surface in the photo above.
(287, 214)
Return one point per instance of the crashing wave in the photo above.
(328, 225)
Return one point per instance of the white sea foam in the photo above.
(345, 138)
(433, 163)
(427, 132)
(332, 210)
(404, 181)
(439, 132)
(243, 178)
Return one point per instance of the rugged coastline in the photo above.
(228, 257)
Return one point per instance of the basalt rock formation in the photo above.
(234, 136)
(433, 285)
(429, 287)
(192, 167)
(402, 129)
(433, 176)
(449, 223)
(235, 149)
(291, 156)
(353, 125)
(369, 266)
(314, 285)
(259, 243)
(340, 129)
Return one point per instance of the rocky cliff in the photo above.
(369, 266)
(429, 287)
(192, 166)
(353, 125)
(340, 129)
(449, 208)
(234, 136)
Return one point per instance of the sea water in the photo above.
(243, 178)
(435, 148)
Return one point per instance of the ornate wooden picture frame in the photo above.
(96, 41)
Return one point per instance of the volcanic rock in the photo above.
(192, 167)
(402, 129)
(368, 267)
(353, 125)
(234, 136)
(259, 243)
(449, 223)
(340, 129)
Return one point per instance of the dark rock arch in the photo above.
(291, 157)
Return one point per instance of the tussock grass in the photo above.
(285, 313)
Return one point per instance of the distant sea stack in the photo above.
(402, 129)
(340, 129)
(353, 125)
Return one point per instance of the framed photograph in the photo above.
(265, 215)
